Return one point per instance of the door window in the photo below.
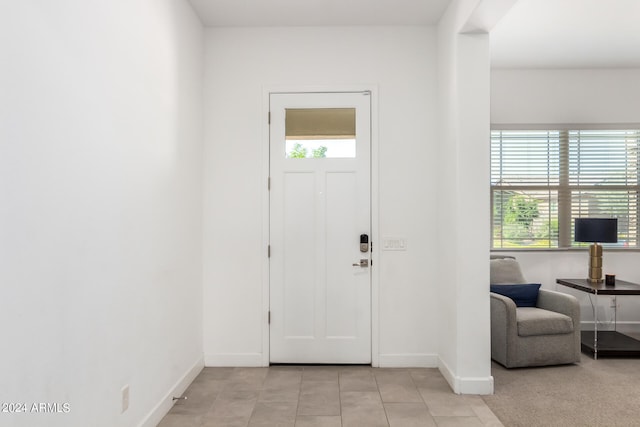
(320, 133)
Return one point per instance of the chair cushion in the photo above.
(537, 321)
(524, 295)
(505, 271)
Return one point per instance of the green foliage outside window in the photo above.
(520, 221)
(519, 213)
(300, 152)
(320, 152)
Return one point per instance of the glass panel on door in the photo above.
(320, 133)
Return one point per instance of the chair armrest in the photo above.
(560, 303)
(567, 305)
(503, 312)
(504, 329)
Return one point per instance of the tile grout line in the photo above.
(384, 408)
(340, 396)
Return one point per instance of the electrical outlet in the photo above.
(125, 398)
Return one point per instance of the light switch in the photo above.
(394, 244)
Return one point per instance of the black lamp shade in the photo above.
(600, 230)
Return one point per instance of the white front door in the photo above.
(320, 280)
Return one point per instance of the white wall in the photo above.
(525, 96)
(587, 96)
(100, 207)
(400, 64)
(463, 275)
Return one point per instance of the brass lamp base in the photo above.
(595, 263)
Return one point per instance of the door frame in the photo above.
(375, 232)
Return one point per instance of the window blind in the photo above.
(542, 179)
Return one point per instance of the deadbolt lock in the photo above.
(364, 243)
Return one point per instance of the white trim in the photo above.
(376, 239)
(375, 224)
(154, 417)
(265, 225)
(466, 385)
(408, 360)
(233, 359)
(447, 374)
(475, 385)
(564, 126)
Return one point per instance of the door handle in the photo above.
(363, 263)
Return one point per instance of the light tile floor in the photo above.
(325, 396)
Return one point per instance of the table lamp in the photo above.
(596, 230)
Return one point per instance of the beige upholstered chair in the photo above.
(547, 334)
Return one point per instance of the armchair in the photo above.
(547, 334)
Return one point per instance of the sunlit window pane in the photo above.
(320, 133)
(541, 180)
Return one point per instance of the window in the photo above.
(542, 179)
(320, 133)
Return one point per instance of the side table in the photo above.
(605, 343)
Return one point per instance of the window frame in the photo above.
(564, 188)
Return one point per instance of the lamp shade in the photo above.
(600, 230)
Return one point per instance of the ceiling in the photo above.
(533, 34)
(242, 13)
(568, 34)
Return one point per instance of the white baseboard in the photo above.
(408, 360)
(166, 403)
(233, 359)
(466, 385)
